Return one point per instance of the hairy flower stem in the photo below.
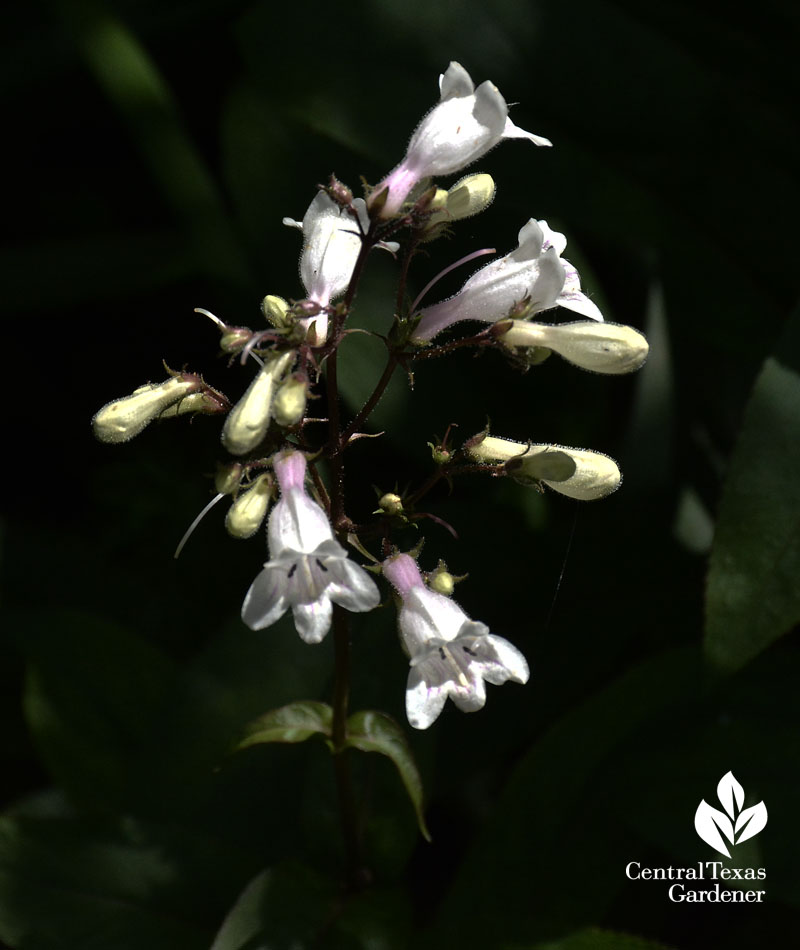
(380, 387)
(356, 875)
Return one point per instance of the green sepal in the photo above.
(293, 723)
(372, 731)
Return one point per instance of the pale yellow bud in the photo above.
(276, 310)
(227, 479)
(601, 347)
(124, 418)
(442, 581)
(246, 515)
(576, 473)
(248, 421)
(208, 401)
(467, 197)
(391, 504)
(289, 405)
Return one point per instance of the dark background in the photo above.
(153, 149)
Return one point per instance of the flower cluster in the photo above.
(280, 460)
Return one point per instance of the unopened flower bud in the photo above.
(467, 197)
(276, 310)
(391, 504)
(234, 339)
(124, 418)
(601, 347)
(289, 405)
(439, 454)
(576, 473)
(442, 581)
(340, 193)
(248, 421)
(248, 511)
(227, 479)
(208, 401)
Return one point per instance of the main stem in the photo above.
(356, 874)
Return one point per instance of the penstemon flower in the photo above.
(533, 273)
(450, 654)
(331, 243)
(307, 567)
(464, 125)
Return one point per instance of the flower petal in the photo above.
(313, 621)
(423, 703)
(297, 523)
(265, 602)
(351, 586)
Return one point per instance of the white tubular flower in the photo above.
(600, 347)
(533, 275)
(331, 244)
(576, 473)
(247, 423)
(464, 125)
(124, 418)
(307, 567)
(450, 654)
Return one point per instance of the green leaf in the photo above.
(243, 921)
(92, 702)
(753, 597)
(66, 884)
(289, 905)
(293, 723)
(593, 938)
(376, 732)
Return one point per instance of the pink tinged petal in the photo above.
(265, 602)
(551, 238)
(313, 620)
(580, 303)
(290, 469)
(402, 573)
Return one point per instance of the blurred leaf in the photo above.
(244, 918)
(131, 80)
(596, 939)
(293, 723)
(92, 700)
(376, 732)
(66, 885)
(753, 596)
(283, 908)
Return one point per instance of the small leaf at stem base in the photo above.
(293, 723)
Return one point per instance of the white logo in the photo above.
(736, 823)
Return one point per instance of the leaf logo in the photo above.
(737, 824)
